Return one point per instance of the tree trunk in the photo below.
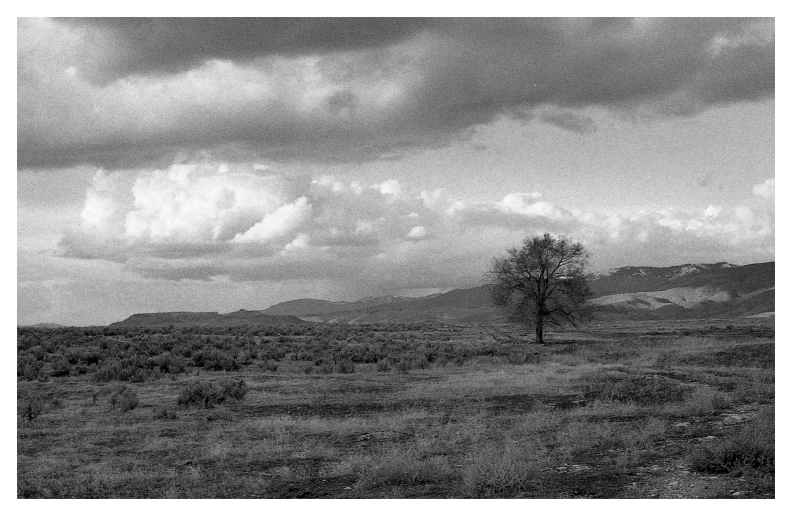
(539, 330)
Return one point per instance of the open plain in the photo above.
(667, 409)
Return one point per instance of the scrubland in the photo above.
(620, 410)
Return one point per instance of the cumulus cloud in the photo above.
(184, 210)
(713, 211)
(417, 232)
(766, 189)
(127, 93)
(240, 225)
(280, 222)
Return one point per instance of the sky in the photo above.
(221, 164)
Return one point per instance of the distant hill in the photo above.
(300, 307)
(722, 275)
(239, 318)
(462, 305)
(690, 291)
(719, 290)
(44, 325)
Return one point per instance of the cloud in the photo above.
(713, 211)
(184, 210)
(156, 46)
(150, 92)
(569, 121)
(390, 187)
(765, 190)
(282, 221)
(417, 232)
(202, 223)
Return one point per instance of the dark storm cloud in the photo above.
(144, 46)
(126, 93)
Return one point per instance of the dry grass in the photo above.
(402, 467)
(493, 427)
(749, 451)
(504, 470)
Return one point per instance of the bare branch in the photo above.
(543, 282)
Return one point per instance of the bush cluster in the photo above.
(135, 355)
(207, 395)
(30, 405)
(122, 397)
(751, 450)
(642, 390)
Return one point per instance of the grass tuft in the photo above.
(751, 450)
(506, 470)
(398, 467)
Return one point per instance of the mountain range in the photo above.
(238, 318)
(690, 291)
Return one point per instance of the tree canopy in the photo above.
(542, 283)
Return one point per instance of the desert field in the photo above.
(670, 409)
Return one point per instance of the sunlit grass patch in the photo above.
(643, 389)
(504, 470)
(633, 437)
(702, 401)
(403, 466)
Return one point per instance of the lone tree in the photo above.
(542, 282)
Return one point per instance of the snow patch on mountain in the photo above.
(603, 273)
(686, 270)
(687, 297)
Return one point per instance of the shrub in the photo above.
(326, 367)
(403, 365)
(124, 370)
(60, 366)
(270, 365)
(207, 395)
(751, 449)
(502, 470)
(403, 468)
(704, 401)
(30, 405)
(383, 366)
(167, 363)
(344, 366)
(642, 390)
(29, 373)
(215, 360)
(234, 390)
(165, 414)
(123, 397)
(420, 363)
(203, 394)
